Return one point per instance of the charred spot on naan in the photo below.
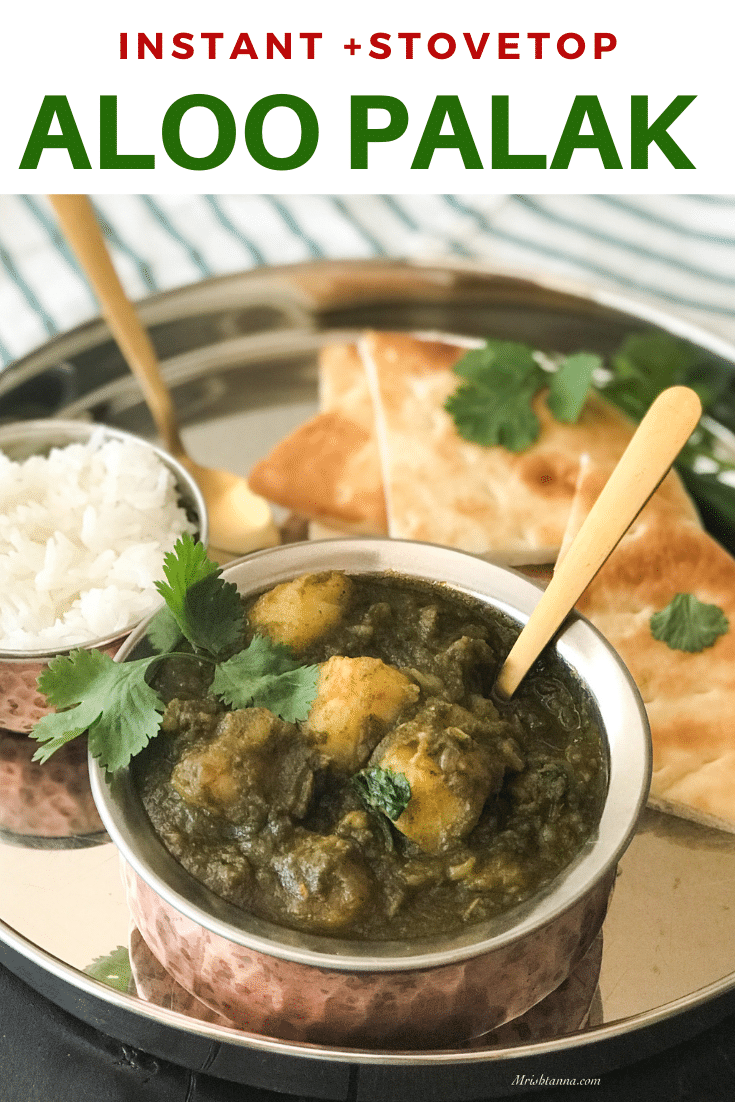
(550, 475)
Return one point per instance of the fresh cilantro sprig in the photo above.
(494, 406)
(114, 702)
(266, 675)
(383, 790)
(206, 608)
(570, 384)
(689, 624)
(110, 700)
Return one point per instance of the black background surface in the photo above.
(47, 1055)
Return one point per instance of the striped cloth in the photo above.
(676, 252)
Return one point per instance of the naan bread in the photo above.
(424, 481)
(443, 489)
(690, 698)
(670, 496)
(328, 469)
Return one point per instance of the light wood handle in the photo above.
(78, 221)
(658, 440)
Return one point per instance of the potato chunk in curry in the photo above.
(324, 880)
(450, 776)
(299, 612)
(357, 699)
(254, 762)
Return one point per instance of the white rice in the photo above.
(83, 532)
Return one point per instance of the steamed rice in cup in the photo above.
(87, 513)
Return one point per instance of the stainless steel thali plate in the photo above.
(240, 355)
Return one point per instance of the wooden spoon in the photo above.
(239, 520)
(657, 441)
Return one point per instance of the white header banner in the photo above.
(385, 97)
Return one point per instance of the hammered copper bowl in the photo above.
(21, 705)
(399, 994)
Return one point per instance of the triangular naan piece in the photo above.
(690, 698)
(443, 489)
(591, 477)
(328, 469)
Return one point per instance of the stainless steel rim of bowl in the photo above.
(580, 645)
(23, 438)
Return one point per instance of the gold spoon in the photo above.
(239, 520)
(657, 441)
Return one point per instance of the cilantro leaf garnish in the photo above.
(647, 363)
(644, 365)
(689, 624)
(110, 700)
(113, 970)
(186, 564)
(266, 675)
(206, 608)
(495, 404)
(506, 357)
(214, 616)
(383, 790)
(115, 705)
(163, 632)
(570, 384)
(513, 424)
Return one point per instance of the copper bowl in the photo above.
(425, 993)
(567, 1009)
(50, 805)
(21, 704)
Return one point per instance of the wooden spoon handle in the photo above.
(659, 438)
(81, 228)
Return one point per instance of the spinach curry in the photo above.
(409, 802)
